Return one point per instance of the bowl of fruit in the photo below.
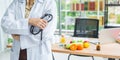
(77, 45)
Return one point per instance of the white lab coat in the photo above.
(14, 22)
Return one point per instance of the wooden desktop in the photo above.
(109, 48)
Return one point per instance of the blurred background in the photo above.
(106, 11)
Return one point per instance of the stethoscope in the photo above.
(48, 17)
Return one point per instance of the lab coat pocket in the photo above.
(48, 46)
(46, 57)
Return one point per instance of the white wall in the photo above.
(3, 37)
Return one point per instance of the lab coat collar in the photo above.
(22, 1)
(41, 1)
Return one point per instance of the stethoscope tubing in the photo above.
(50, 17)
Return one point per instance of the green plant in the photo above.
(10, 40)
(70, 27)
(118, 19)
(72, 14)
(74, 1)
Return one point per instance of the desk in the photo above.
(111, 50)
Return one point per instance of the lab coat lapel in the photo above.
(22, 6)
(36, 11)
(36, 7)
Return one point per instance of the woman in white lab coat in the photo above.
(16, 23)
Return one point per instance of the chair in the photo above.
(80, 55)
(85, 27)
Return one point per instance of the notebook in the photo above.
(116, 35)
(109, 35)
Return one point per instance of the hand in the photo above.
(16, 36)
(40, 23)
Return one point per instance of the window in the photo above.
(113, 19)
(71, 9)
(112, 13)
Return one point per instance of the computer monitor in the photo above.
(85, 27)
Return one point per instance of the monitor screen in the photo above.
(86, 27)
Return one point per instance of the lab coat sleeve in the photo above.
(51, 27)
(11, 25)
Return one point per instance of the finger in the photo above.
(45, 21)
(42, 23)
(41, 26)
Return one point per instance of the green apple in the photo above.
(80, 41)
(67, 46)
(73, 41)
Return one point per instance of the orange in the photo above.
(79, 47)
(73, 47)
